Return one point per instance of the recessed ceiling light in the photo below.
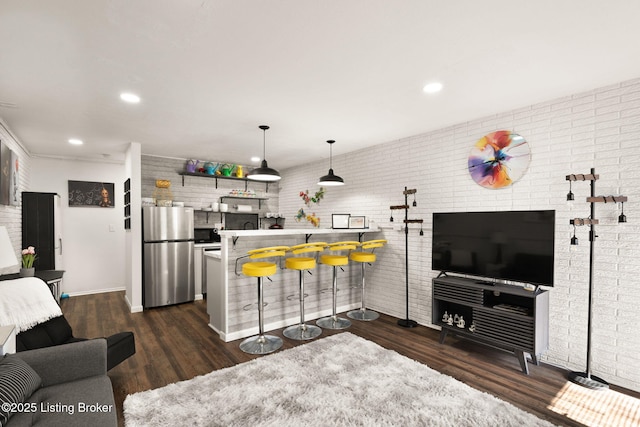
(74, 141)
(433, 87)
(130, 98)
(255, 159)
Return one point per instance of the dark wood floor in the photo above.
(174, 343)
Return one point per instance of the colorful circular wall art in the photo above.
(499, 159)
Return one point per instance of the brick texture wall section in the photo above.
(199, 191)
(11, 216)
(600, 129)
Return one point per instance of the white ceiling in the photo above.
(210, 72)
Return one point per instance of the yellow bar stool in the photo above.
(336, 260)
(364, 257)
(302, 331)
(261, 343)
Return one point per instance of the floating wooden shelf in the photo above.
(413, 221)
(583, 221)
(399, 207)
(583, 177)
(607, 199)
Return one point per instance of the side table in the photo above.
(7, 339)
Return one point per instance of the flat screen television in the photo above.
(508, 245)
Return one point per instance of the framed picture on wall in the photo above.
(9, 177)
(5, 174)
(340, 221)
(91, 194)
(14, 179)
(356, 222)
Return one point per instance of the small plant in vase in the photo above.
(28, 258)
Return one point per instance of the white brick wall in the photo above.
(201, 191)
(11, 216)
(600, 129)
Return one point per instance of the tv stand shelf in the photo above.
(502, 316)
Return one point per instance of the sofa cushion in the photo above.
(17, 383)
(54, 331)
(85, 402)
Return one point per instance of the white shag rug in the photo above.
(341, 380)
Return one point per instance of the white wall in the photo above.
(93, 238)
(600, 129)
(133, 236)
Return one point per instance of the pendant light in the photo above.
(330, 178)
(264, 172)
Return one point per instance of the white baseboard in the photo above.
(232, 336)
(133, 309)
(94, 291)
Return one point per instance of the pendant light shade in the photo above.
(264, 172)
(330, 178)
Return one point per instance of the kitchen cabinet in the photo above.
(216, 293)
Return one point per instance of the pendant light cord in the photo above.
(264, 141)
(330, 142)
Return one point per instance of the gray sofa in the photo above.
(74, 389)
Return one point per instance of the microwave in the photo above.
(206, 235)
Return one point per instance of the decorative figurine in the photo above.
(456, 318)
(450, 321)
(472, 328)
(445, 317)
(460, 322)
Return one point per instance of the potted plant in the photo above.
(28, 258)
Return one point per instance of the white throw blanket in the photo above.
(26, 302)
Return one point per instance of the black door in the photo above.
(38, 227)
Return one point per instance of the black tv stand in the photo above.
(502, 316)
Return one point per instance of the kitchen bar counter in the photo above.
(295, 232)
(232, 297)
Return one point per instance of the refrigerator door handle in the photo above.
(60, 240)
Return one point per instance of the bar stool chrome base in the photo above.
(333, 322)
(302, 332)
(261, 344)
(363, 314)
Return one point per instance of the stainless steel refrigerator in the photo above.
(167, 239)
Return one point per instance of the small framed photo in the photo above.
(356, 222)
(340, 220)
